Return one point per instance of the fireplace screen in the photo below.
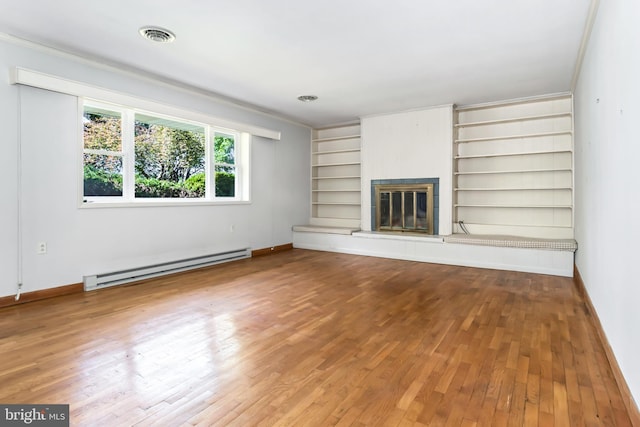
(404, 208)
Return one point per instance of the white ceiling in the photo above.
(360, 57)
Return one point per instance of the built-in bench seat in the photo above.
(503, 241)
(324, 229)
(546, 256)
(513, 242)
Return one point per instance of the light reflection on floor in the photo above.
(153, 361)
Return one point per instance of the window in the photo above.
(102, 153)
(224, 164)
(169, 158)
(133, 156)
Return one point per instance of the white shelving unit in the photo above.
(335, 177)
(513, 169)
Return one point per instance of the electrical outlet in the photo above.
(42, 248)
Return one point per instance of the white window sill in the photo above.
(144, 203)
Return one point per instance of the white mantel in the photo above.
(411, 144)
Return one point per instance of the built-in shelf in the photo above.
(513, 166)
(513, 119)
(336, 177)
(336, 191)
(514, 189)
(335, 138)
(351, 150)
(514, 206)
(335, 164)
(513, 171)
(520, 136)
(522, 153)
(519, 225)
(332, 182)
(341, 218)
(337, 203)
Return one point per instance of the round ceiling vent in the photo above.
(307, 98)
(157, 34)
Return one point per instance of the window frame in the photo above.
(128, 199)
(122, 154)
(236, 165)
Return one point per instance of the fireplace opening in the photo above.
(405, 206)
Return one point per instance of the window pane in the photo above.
(396, 216)
(422, 220)
(102, 129)
(225, 181)
(224, 148)
(102, 175)
(385, 210)
(169, 158)
(408, 209)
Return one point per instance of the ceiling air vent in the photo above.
(157, 34)
(307, 98)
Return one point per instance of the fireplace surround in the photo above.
(405, 205)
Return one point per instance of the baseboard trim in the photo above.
(629, 402)
(42, 294)
(10, 300)
(272, 250)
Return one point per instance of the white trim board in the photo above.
(40, 80)
(586, 35)
(103, 64)
(557, 263)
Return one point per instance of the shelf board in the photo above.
(350, 150)
(342, 218)
(337, 177)
(336, 164)
(514, 206)
(513, 171)
(513, 189)
(337, 203)
(336, 191)
(514, 225)
(514, 119)
(525, 135)
(335, 138)
(524, 153)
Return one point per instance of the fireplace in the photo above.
(405, 205)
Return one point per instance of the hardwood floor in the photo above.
(304, 338)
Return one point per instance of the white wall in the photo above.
(412, 144)
(8, 180)
(607, 113)
(89, 241)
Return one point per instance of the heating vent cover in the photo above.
(98, 281)
(157, 34)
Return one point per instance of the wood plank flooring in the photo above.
(305, 338)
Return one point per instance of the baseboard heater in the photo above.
(98, 281)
